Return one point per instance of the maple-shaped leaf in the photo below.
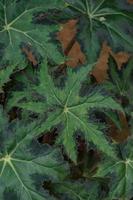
(19, 28)
(24, 163)
(120, 82)
(120, 172)
(77, 190)
(67, 106)
(101, 20)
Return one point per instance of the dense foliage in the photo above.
(55, 124)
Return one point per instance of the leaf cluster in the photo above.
(54, 128)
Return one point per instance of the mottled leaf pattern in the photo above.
(121, 173)
(102, 20)
(68, 108)
(18, 28)
(23, 160)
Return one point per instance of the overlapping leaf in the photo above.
(19, 27)
(120, 83)
(102, 20)
(67, 106)
(24, 163)
(120, 172)
(77, 190)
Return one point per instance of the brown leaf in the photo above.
(70, 46)
(72, 49)
(67, 33)
(100, 71)
(30, 55)
(117, 135)
(130, 1)
(121, 58)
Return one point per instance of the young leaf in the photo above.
(68, 107)
(25, 164)
(102, 20)
(120, 172)
(18, 28)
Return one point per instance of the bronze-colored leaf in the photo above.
(100, 71)
(30, 55)
(70, 46)
(117, 135)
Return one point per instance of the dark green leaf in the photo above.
(67, 107)
(101, 20)
(77, 190)
(23, 160)
(121, 173)
(18, 29)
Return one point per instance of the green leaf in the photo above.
(101, 20)
(120, 172)
(69, 107)
(25, 164)
(120, 82)
(77, 190)
(19, 29)
(120, 78)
